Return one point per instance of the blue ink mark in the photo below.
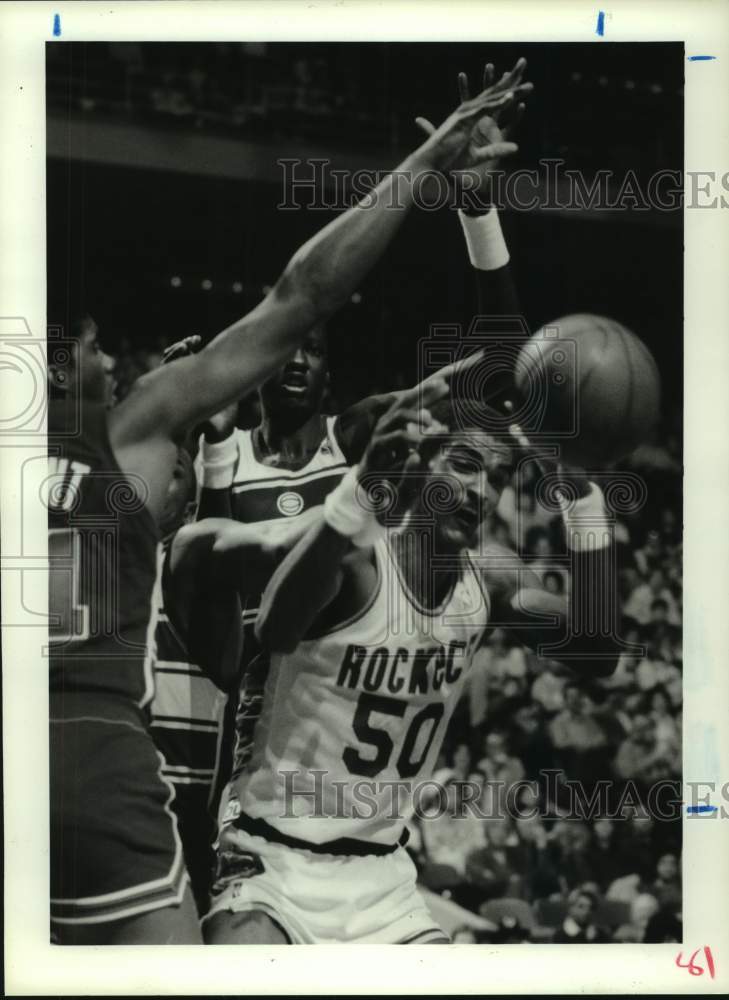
(56, 25)
(601, 23)
(700, 58)
(700, 809)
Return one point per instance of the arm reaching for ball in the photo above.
(580, 630)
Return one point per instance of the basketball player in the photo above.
(371, 635)
(117, 874)
(296, 456)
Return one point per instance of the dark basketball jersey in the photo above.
(102, 548)
(263, 493)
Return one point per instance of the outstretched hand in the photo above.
(456, 144)
(491, 134)
(398, 446)
(182, 349)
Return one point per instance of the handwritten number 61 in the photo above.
(694, 968)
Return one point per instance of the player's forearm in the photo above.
(490, 260)
(592, 621)
(218, 463)
(304, 584)
(327, 269)
(496, 292)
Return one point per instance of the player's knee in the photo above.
(245, 927)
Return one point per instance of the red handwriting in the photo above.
(695, 968)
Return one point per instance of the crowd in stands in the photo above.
(539, 863)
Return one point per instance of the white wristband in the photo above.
(219, 461)
(487, 249)
(586, 521)
(344, 513)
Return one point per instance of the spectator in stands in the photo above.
(448, 839)
(506, 669)
(666, 886)
(496, 870)
(670, 529)
(529, 739)
(579, 740)
(578, 927)
(549, 685)
(642, 909)
(554, 581)
(664, 723)
(458, 765)
(637, 750)
(501, 771)
(638, 605)
(650, 556)
(604, 859)
(519, 508)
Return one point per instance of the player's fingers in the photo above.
(517, 72)
(488, 75)
(425, 393)
(493, 151)
(425, 125)
(435, 389)
(188, 345)
(463, 89)
(401, 417)
(460, 367)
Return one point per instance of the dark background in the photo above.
(118, 234)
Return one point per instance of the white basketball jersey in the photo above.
(353, 721)
(261, 494)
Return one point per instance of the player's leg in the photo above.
(250, 902)
(246, 927)
(117, 868)
(168, 925)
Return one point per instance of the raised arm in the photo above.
(475, 191)
(580, 630)
(318, 279)
(329, 576)
(212, 565)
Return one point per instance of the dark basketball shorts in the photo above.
(115, 849)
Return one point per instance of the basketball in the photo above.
(590, 385)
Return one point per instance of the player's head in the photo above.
(180, 493)
(473, 463)
(298, 387)
(81, 370)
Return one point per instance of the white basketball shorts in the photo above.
(323, 898)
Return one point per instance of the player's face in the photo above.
(299, 385)
(478, 468)
(90, 370)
